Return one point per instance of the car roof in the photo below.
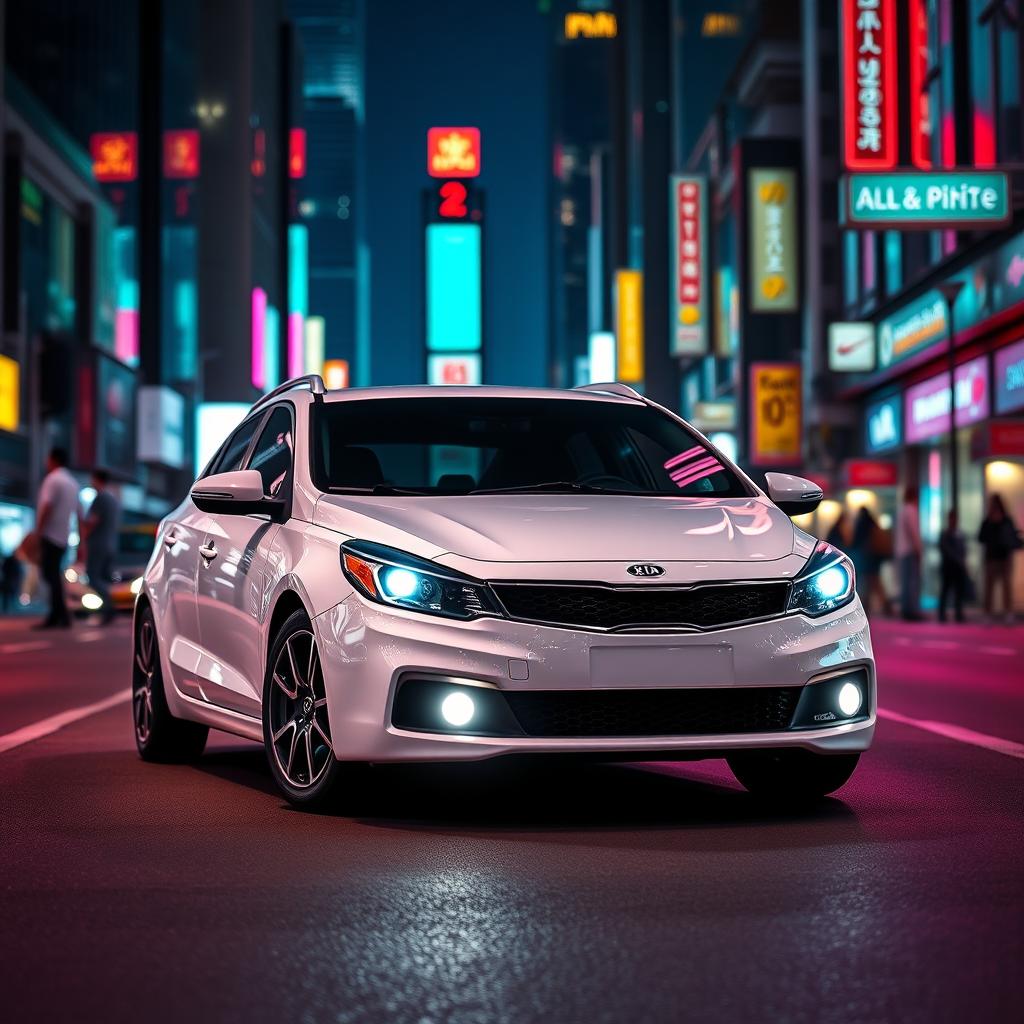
(475, 391)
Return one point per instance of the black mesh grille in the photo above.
(610, 608)
(654, 712)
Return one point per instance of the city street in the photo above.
(499, 893)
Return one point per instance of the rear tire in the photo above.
(296, 727)
(792, 775)
(159, 736)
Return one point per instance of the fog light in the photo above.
(850, 699)
(457, 709)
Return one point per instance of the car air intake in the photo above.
(696, 712)
(593, 606)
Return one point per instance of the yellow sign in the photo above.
(775, 414)
(10, 393)
(773, 239)
(591, 25)
(629, 325)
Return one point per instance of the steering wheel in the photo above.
(608, 480)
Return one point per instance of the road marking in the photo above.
(956, 732)
(37, 730)
(28, 645)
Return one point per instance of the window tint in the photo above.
(234, 451)
(462, 445)
(272, 456)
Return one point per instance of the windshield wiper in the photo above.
(377, 489)
(569, 486)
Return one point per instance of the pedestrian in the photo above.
(58, 502)
(839, 535)
(11, 572)
(1000, 538)
(869, 548)
(908, 555)
(953, 569)
(99, 535)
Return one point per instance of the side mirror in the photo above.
(793, 494)
(239, 493)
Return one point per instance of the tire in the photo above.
(159, 736)
(792, 775)
(296, 727)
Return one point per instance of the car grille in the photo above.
(601, 607)
(698, 712)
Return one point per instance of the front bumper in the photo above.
(368, 651)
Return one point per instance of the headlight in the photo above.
(393, 577)
(826, 583)
(136, 586)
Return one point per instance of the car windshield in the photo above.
(469, 445)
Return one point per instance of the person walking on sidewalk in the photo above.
(953, 552)
(908, 555)
(99, 534)
(58, 502)
(1000, 539)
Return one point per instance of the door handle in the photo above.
(170, 539)
(208, 551)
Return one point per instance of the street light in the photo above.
(950, 290)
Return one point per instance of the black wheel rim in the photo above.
(300, 733)
(142, 681)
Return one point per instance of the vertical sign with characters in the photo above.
(870, 131)
(775, 414)
(689, 304)
(771, 201)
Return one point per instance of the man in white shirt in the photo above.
(58, 502)
(908, 550)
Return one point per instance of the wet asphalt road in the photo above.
(133, 892)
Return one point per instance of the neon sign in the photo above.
(181, 153)
(115, 156)
(297, 153)
(453, 152)
(591, 25)
(869, 84)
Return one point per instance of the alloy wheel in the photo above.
(142, 684)
(300, 731)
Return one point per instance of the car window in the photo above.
(272, 456)
(449, 445)
(233, 452)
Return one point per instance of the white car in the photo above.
(450, 574)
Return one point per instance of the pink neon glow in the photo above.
(296, 345)
(259, 338)
(684, 456)
(126, 335)
(698, 472)
(682, 471)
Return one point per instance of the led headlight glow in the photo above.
(136, 586)
(826, 583)
(398, 578)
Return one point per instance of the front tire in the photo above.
(296, 727)
(792, 775)
(159, 736)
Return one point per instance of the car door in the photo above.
(230, 582)
(178, 546)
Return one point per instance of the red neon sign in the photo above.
(297, 153)
(181, 153)
(869, 85)
(115, 156)
(453, 152)
(920, 118)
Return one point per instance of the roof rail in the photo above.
(313, 381)
(611, 388)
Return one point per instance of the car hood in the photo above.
(567, 528)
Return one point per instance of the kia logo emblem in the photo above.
(645, 569)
